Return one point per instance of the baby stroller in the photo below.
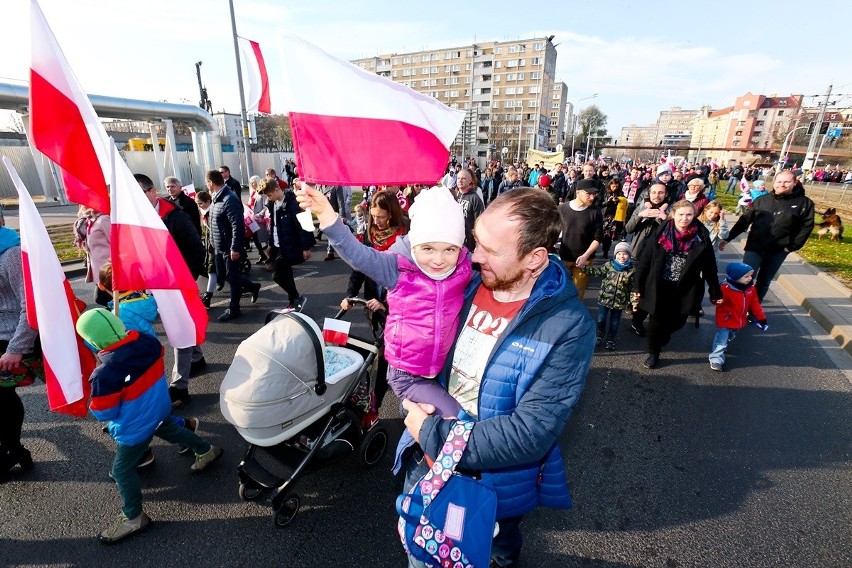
(301, 405)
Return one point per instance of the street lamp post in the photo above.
(782, 158)
(574, 122)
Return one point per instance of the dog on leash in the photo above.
(831, 225)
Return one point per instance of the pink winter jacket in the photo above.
(424, 317)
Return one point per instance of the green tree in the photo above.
(273, 133)
(592, 124)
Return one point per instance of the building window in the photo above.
(372, 64)
(782, 102)
(780, 113)
(406, 59)
(555, 105)
(535, 74)
(520, 76)
(497, 91)
(746, 103)
(424, 58)
(486, 77)
(512, 63)
(522, 62)
(467, 67)
(534, 89)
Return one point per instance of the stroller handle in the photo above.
(376, 327)
(352, 302)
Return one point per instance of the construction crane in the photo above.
(204, 103)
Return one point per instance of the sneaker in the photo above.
(716, 366)
(178, 396)
(146, 460)
(638, 329)
(610, 345)
(197, 367)
(229, 315)
(123, 528)
(203, 460)
(190, 424)
(651, 361)
(299, 304)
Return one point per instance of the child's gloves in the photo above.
(762, 325)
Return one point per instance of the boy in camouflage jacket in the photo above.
(615, 294)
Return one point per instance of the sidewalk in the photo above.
(825, 299)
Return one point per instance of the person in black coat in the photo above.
(780, 224)
(676, 261)
(289, 244)
(228, 232)
(182, 200)
(231, 183)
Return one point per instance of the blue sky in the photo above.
(640, 57)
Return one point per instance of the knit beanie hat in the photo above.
(758, 184)
(436, 218)
(663, 169)
(623, 246)
(544, 181)
(736, 270)
(100, 328)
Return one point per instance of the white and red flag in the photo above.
(352, 127)
(144, 255)
(63, 123)
(335, 331)
(744, 185)
(52, 309)
(255, 77)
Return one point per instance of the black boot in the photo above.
(21, 457)
(205, 299)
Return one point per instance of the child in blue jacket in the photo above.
(129, 390)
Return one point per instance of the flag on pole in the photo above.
(144, 255)
(352, 127)
(50, 300)
(254, 74)
(744, 184)
(63, 123)
(189, 190)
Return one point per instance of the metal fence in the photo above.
(139, 162)
(834, 194)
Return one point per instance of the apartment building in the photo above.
(506, 89)
(558, 115)
(753, 125)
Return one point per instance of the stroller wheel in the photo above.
(250, 492)
(372, 447)
(285, 515)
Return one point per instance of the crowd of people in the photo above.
(508, 249)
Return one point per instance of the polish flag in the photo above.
(67, 362)
(63, 123)
(744, 184)
(189, 190)
(352, 127)
(254, 73)
(146, 257)
(335, 331)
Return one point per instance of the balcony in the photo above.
(485, 58)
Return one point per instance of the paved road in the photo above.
(674, 467)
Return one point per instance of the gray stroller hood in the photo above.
(268, 393)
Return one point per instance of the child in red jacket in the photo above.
(739, 301)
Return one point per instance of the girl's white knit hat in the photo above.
(436, 217)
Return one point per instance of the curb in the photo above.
(74, 269)
(830, 306)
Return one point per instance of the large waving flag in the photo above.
(146, 257)
(53, 310)
(351, 127)
(63, 123)
(143, 253)
(254, 73)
